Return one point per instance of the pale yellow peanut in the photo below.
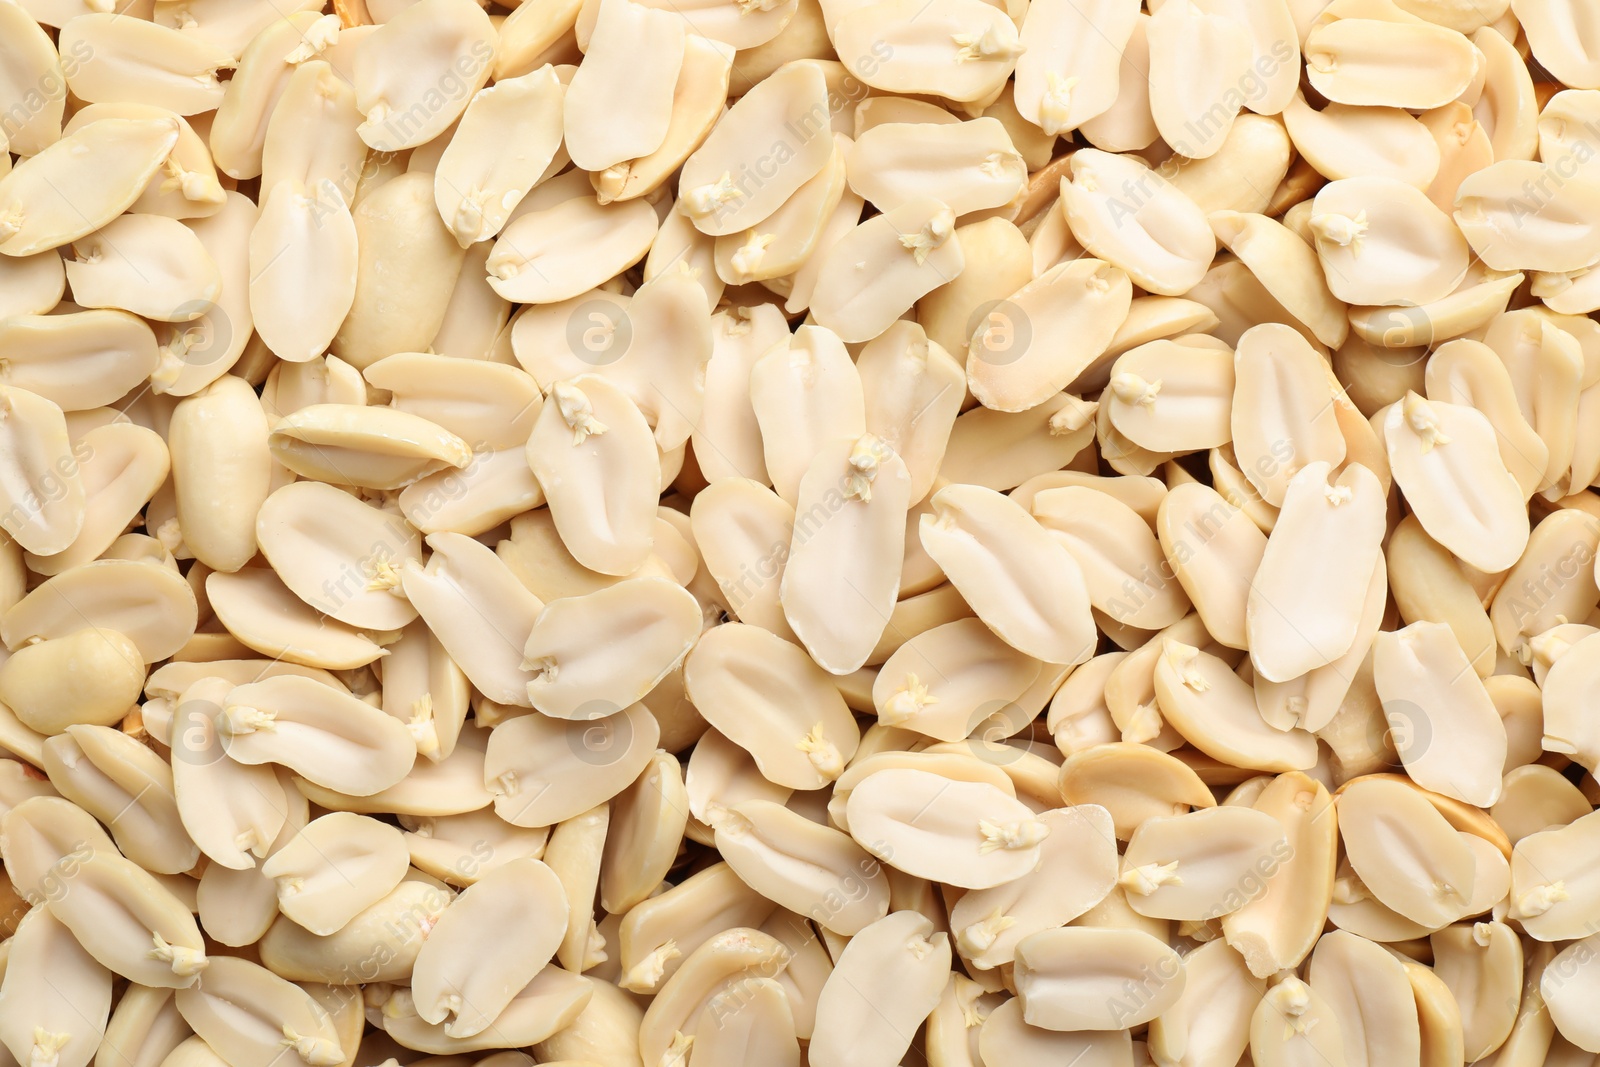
(1292, 628)
(1210, 1022)
(239, 907)
(110, 774)
(1069, 72)
(221, 479)
(945, 681)
(369, 447)
(304, 259)
(1404, 851)
(996, 554)
(31, 63)
(901, 950)
(232, 811)
(487, 945)
(1439, 453)
(147, 264)
(729, 958)
(1076, 870)
(1483, 966)
(334, 868)
(1213, 550)
(1566, 986)
(1190, 866)
(754, 1021)
(547, 1004)
(1001, 450)
(494, 486)
(1128, 125)
(656, 934)
(124, 467)
(276, 1015)
(1123, 566)
(103, 672)
(146, 602)
(34, 284)
(310, 132)
(1348, 141)
(1367, 994)
(133, 58)
(1293, 1024)
(40, 481)
(1420, 671)
(1013, 359)
(650, 818)
(263, 72)
(1429, 585)
(54, 199)
(815, 870)
(378, 945)
(1165, 244)
(849, 541)
(964, 833)
(1078, 718)
(128, 921)
(1562, 38)
(1285, 273)
(1215, 710)
(607, 125)
(711, 195)
(186, 186)
(1560, 546)
(957, 49)
(969, 166)
(727, 440)
(1464, 372)
(592, 451)
(1173, 395)
(767, 696)
(266, 616)
(609, 648)
(720, 774)
(1283, 417)
(408, 54)
(1557, 238)
(697, 101)
(329, 738)
(44, 840)
(882, 267)
(144, 1027)
(1278, 928)
(338, 554)
(56, 996)
(292, 386)
(743, 530)
(543, 771)
(1073, 978)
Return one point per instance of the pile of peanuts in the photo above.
(751, 533)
